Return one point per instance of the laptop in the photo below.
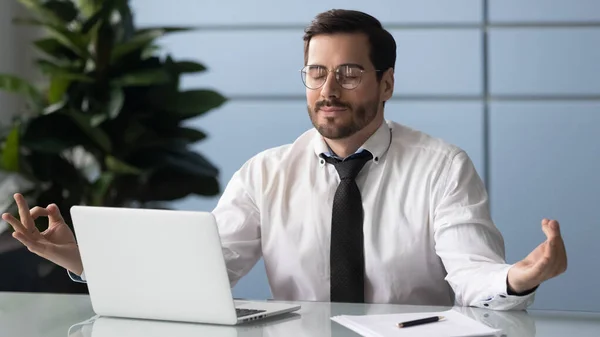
(160, 265)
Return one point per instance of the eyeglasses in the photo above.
(348, 76)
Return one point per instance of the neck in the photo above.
(347, 146)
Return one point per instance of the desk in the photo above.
(53, 315)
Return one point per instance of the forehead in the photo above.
(335, 49)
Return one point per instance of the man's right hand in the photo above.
(56, 244)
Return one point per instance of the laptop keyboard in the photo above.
(247, 312)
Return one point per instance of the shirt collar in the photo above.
(377, 144)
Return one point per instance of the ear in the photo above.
(387, 85)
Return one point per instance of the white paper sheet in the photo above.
(454, 325)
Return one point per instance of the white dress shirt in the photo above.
(428, 235)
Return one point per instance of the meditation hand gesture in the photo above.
(548, 260)
(56, 244)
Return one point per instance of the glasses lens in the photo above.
(349, 76)
(314, 76)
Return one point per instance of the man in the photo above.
(358, 209)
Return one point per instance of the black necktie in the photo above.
(347, 265)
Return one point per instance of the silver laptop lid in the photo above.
(154, 264)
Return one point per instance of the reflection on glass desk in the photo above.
(52, 315)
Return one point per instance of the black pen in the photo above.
(420, 321)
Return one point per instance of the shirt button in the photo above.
(322, 161)
(486, 305)
(376, 159)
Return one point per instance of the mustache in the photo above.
(331, 103)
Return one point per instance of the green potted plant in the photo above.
(108, 126)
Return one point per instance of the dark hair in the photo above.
(382, 44)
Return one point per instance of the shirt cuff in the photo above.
(512, 292)
(499, 297)
(77, 278)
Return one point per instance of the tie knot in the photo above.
(351, 166)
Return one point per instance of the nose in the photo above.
(331, 87)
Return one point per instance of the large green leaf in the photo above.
(115, 105)
(142, 39)
(149, 51)
(98, 119)
(39, 9)
(99, 137)
(193, 103)
(137, 42)
(188, 67)
(103, 13)
(149, 139)
(136, 134)
(50, 68)
(74, 41)
(64, 10)
(168, 185)
(52, 108)
(10, 151)
(57, 89)
(52, 133)
(190, 162)
(92, 21)
(176, 156)
(117, 166)
(50, 167)
(55, 49)
(89, 7)
(20, 86)
(169, 133)
(189, 134)
(143, 78)
(163, 30)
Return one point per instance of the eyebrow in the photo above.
(339, 65)
(352, 64)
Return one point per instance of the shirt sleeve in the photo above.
(238, 219)
(468, 243)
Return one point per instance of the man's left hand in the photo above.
(548, 260)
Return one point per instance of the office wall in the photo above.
(522, 99)
(8, 60)
(16, 58)
(16, 55)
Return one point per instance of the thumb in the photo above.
(550, 228)
(54, 214)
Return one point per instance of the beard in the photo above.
(333, 128)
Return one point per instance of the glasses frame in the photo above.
(335, 70)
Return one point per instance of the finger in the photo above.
(16, 224)
(559, 255)
(554, 260)
(37, 212)
(54, 215)
(26, 218)
(33, 246)
(551, 228)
